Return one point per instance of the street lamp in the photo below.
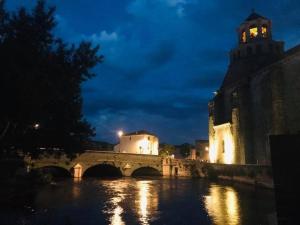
(36, 126)
(120, 134)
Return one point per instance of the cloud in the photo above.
(105, 36)
(163, 58)
(174, 2)
(162, 54)
(107, 123)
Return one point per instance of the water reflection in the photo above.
(129, 201)
(115, 189)
(147, 202)
(223, 206)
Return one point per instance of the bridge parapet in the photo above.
(126, 163)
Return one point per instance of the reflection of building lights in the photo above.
(118, 196)
(232, 203)
(147, 202)
(223, 205)
(116, 219)
(143, 200)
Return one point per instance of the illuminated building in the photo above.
(139, 142)
(259, 96)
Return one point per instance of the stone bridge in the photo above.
(125, 163)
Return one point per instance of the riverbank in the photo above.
(256, 175)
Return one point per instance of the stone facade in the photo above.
(259, 97)
(139, 142)
(126, 163)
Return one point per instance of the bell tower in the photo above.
(255, 39)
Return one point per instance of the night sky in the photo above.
(163, 58)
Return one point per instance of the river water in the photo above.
(126, 201)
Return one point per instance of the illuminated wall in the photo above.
(222, 147)
(138, 144)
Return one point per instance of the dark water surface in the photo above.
(146, 201)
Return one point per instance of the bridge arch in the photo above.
(102, 170)
(146, 171)
(55, 171)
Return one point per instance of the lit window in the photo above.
(253, 32)
(264, 31)
(244, 37)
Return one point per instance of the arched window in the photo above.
(253, 31)
(243, 37)
(264, 31)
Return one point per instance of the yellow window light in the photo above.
(253, 32)
(264, 31)
(244, 39)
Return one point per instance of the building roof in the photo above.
(254, 16)
(139, 132)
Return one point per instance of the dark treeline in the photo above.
(40, 84)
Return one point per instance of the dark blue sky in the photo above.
(163, 58)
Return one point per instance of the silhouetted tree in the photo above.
(166, 149)
(40, 83)
(185, 149)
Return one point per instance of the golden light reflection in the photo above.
(114, 208)
(116, 218)
(75, 191)
(147, 202)
(223, 206)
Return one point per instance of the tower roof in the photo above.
(140, 132)
(254, 16)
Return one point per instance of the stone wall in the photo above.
(258, 175)
(127, 163)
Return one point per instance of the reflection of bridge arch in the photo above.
(146, 171)
(56, 171)
(102, 170)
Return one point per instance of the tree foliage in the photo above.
(185, 149)
(40, 83)
(166, 149)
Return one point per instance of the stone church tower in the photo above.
(259, 96)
